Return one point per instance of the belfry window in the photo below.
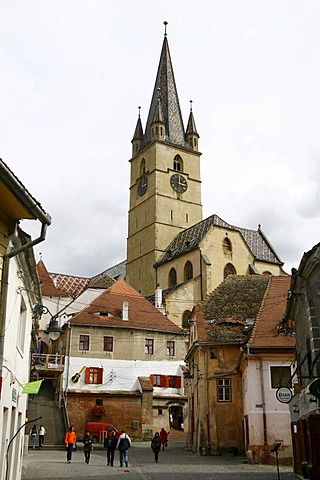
(177, 164)
(143, 167)
(172, 277)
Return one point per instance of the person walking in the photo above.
(87, 446)
(124, 443)
(70, 439)
(41, 433)
(33, 436)
(164, 438)
(156, 446)
(110, 443)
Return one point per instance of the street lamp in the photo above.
(53, 329)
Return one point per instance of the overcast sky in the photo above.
(73, 73)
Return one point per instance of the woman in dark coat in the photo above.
(87, 447)
(156, 445)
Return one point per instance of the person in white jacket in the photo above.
(41, 433)
(123, 445)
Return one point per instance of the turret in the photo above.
(137, 137)
(192, 136)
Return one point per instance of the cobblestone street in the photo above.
(175, 463)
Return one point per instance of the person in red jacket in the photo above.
(164, 438)
(70, 439)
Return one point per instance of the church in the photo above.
(176, 258)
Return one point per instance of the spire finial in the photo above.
(139, 108)
(165, 23)
(191, 105)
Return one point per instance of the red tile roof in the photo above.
(272, 311)
(141, 314)
(47, 285)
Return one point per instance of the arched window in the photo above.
(188, 271)
(229, 270)
(172, 277)
(267, 273)
(226, 246)
(177, 164)
(186, 319)
(143, 167)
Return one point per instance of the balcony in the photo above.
(50, 362)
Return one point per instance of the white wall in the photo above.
(16, 366)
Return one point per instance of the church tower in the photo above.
(165, 183)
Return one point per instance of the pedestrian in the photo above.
(156, 446)
(171, 420)
(41, 433)
(70, 439)
(110, 443)
(164, 437)
(87, 446)
(33, 436)
(124, 443)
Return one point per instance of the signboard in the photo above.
(284, 394)
(314, 388)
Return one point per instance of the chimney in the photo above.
(125, 310)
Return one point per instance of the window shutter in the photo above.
(87, 377)
(178, 382)
(151, 379)
(100, 374)
(165, 381)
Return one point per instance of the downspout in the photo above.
(201, 279)
(264, 416)
(205, 352)
(29, 203)
(4, 293)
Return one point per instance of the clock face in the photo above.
(142, 185)
(178, 183)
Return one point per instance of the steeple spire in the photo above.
(165, 89)
(137, 136)
(191, 132)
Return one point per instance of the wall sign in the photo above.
(284, 394)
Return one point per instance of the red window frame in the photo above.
(165, 381)
(171, 350)
(149, 346)
(84, 343)
(107, 344)
(94, 375)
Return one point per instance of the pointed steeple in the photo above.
(165, 89)
(191, 132)
(137, 136)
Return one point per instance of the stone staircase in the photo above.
(177, 436)
(44, 405)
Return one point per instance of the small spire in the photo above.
(165, 23)
(191, 106)
(139, 112)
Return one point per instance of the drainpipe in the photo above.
(264, 416)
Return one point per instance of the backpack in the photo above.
(109, 442)
(124, 444)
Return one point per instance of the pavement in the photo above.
(174, 463)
